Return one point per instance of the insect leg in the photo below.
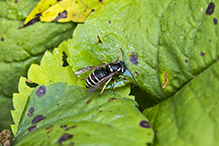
(116, 59)
(105, 86)
(103, 61)
(123, 77)
(114, 85)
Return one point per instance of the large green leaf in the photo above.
(63, 115)
(191, 116)
(21, 47)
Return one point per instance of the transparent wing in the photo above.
(103, 80)
(88, 68)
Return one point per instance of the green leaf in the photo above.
(190, 117)
(130, 25)
(22, 47)
(61, 114)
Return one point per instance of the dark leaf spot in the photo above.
(186, 61)
(215, 103)
(16, 1)
(17, 43)
(92, 10)
(134, 58)
(2, 39)
(37, 118)
(100, 1)
(155, 132)
(72, 143)
(109, 21)
(136, 73)
(99, 40)
(88, 135)
(110, 111)
(41, 91)
(215, 21)
(209, 40)
(63, 126)
(32, 21)
(202, 54)
(50, 130)
(30, 112)
(51, 126)
(64, 137)
(31, 128)
(144, 124)
(64, 59)
(210, 9)
(100, 111)
(70, 127)
(76, 2)
(89, 101)
(50, 5)
(57, 104)
(59, 0)
(111, 99)
(61, 15)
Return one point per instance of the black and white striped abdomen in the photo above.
(95, 77)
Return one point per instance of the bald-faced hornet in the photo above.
(101, 75)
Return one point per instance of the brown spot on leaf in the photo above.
(215, 21)
(61, 15)
(209, 40)
(41, 91)
(51, 126)
(64, 137)
(30, 112)
(166, 80)
(16, 1)
(89, 101)
(31, 128)
(37, 119)
(210, 9)
(144, 124)
(100, 1)
(111, 99)
(133, 58)
(32, 21)
(70, 127)
(109, 21)
(63, 126)
(99, 40)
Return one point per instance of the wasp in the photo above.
(103, 73)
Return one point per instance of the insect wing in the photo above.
(103, 80)
(86, 69)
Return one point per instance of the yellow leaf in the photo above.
(62, 11)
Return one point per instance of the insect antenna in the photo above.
(127, 68)
(122, 55)
(132, 76)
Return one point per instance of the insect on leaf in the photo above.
(62, 11)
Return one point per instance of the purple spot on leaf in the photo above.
(30, 112)
(2, 39)
(144, 124)
(41, 91)
(134, 58)
(186, 61)
(202, 54)
(64, 137)
(215, 21)
(31, 128)
(37, 118)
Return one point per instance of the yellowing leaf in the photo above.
(62, 11)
